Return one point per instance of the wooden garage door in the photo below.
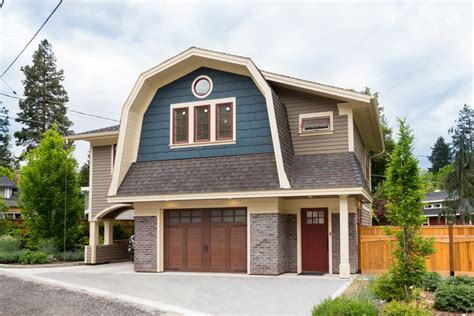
(210, 240)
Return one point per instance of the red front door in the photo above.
(315, 254)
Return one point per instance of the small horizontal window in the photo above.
(314, 123)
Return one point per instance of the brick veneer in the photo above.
(272, 243)
(145, 244)
(353, 257)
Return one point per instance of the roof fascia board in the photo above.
(249, 194)
(316, 87)
(92, 136)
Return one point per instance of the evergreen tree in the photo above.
(6, 156)
(464, 129)
(49, 186)
(45, 98)
(379, 162)
(404, 192)
(84, 173)
(440, 155)
(460, 182)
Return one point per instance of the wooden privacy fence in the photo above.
(376, 249)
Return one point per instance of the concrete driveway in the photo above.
(194, 293)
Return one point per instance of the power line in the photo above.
(73, 111)
(32, 38)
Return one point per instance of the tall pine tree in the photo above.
(6, 156)
(440, 155)
(45, 98)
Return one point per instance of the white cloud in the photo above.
(417, 55)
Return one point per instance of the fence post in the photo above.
(451, 248)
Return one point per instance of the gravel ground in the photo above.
(19, 297)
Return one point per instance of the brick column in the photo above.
(272, 243)
(145, 253)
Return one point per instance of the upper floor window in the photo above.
(202, 123)
(224, 121)
(180, 125)
(316, 123)
(202, 86)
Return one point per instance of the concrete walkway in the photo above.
(194, 293)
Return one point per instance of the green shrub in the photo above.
(460, 279)
(454, 298)
(344, 306)
(9, 244)
(32, 257)
(386, 289)
(9, 257)
(396, 308)
(430, 281)
(47, 246)
(77, 255)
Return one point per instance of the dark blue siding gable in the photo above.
(253, 134)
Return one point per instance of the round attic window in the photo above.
(202, 86)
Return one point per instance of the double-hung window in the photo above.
(202, 123)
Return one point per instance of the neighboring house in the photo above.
(434, 202)
(9, 191)
(229, 168)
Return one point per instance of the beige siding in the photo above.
(111, 253)
(300, 103)
(101, 177)
(366, 219)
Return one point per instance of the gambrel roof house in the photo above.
(234, 169)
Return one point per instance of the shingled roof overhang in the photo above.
(243, 176)
(97, 134)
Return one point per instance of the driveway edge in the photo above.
(107, 294)
(342, 289)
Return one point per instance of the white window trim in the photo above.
(212, 137)
(211, 85)
(312, 115)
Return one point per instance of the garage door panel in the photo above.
(175, 247)
(217, 247)
(206, 240)
(238, 248)
(194, 248)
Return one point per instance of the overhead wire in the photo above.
(32, 38)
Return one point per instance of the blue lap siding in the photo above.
(252, 126)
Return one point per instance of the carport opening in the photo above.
(109, 235)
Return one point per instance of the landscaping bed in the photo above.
(433, 296)
(11, 252)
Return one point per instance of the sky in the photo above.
(417, 55)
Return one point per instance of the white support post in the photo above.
(344, 265)
(108, 233)
(93, 239)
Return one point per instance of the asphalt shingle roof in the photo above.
(321, 171)
(200, 175)
(5, 182)
(435, 196)
(101, 130)
(256, 172)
